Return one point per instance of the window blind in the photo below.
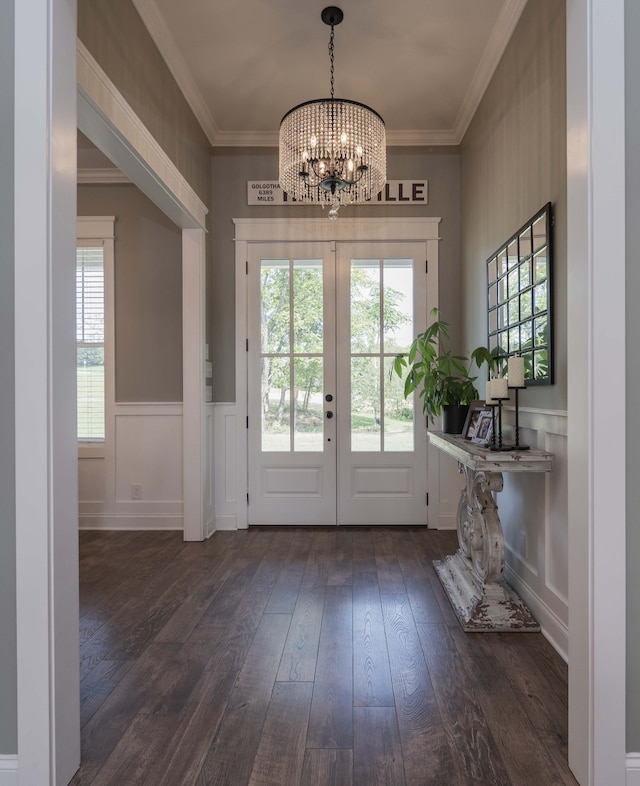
(90, 342)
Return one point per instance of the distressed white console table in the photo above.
(473, 576)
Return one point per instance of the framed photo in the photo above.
(484, 428)
(471, 423)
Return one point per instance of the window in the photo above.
(90, 342)
(94, 329)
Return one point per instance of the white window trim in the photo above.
(101, 230)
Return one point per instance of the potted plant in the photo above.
(444, 380)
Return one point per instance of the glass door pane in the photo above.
(382, 325)
(291, 351)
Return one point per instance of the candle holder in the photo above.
(517, 445)
(500, 446)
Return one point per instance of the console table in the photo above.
(473, 576)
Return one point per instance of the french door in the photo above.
(331, 439)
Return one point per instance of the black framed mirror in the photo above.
(520, 295)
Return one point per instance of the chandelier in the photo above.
(332, 151)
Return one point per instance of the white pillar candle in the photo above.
(500, 388)
(490, 393)
(515, 372)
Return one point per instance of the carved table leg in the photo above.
(473, 576)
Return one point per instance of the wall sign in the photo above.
(395, 192)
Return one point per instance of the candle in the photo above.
(500, 388)
(516, 372)
(489, 394)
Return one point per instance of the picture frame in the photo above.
(470, 424)
(484, 428)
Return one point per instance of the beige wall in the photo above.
(232, 168)
(115, 35)
(513, 163)
(148, 293)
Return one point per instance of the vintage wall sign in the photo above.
(395, 192)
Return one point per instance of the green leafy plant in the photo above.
(441, 377)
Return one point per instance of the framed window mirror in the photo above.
(519, 298)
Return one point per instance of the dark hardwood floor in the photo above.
(315, 657)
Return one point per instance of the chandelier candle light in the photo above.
(332, 150)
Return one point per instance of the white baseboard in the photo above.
(553, 628)
(226, 523)
(125, 521)
(8, 770)
(633, 769)
(445, 522)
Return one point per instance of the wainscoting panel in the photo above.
(533, 510)
(633, 769)
(137, 483)
(92, 480)
(149, 453)
(8, 770)
(444, 486)
(228, 510)
(557, 541)
(209, 471)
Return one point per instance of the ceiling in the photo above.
(421, 64)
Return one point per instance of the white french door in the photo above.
(331, 439)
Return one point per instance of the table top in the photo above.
(477, 457)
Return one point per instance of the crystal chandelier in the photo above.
(332, 151)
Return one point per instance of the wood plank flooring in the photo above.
(303, 657)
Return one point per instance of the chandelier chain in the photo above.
(331, 58)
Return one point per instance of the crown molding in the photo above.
(161, 35)
(500, 37)
(420, 138)
(394, 139)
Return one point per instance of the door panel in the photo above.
(381, 298)
(292, 448)
(321, 453)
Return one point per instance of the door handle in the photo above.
(329, 415)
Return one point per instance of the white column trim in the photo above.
(45, 423)
(596, 336)
(193, 385)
